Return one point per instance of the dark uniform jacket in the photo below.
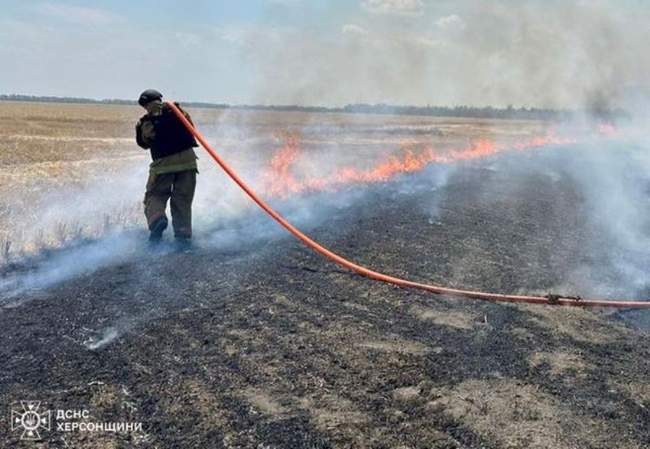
(170, 143)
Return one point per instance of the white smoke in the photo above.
(615, 181)
(224, 217)
(534, 53)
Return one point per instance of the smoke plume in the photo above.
(584, 54)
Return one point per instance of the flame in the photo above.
(280, 179)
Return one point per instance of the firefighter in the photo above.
(172, 174)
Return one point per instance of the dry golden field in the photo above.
(61, 163)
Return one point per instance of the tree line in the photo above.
(510, 112)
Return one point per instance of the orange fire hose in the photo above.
(363, 271)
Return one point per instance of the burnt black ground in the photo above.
(268, 345)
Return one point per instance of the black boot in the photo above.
(183, 244)
(157, 228)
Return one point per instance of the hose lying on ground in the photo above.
(556, 300)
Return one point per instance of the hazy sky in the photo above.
(535, 52)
